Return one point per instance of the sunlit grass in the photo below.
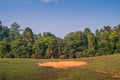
(97, 68)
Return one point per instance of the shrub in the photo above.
(33, 56)
(80, 54)
(36, 56)
(63, 57)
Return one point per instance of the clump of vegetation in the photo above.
(23, 43)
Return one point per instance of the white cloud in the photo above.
(47, 1)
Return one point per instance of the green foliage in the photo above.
(34, 56)
(16, 44)
(47, 46)
(28, 34)
(15, 27)
(75, 42)
(4, 32)
(4, 48)
(81, 54)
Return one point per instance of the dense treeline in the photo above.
(23, 43)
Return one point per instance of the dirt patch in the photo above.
(116, 75)
(113, 74)
(63, 64)
(101, 71)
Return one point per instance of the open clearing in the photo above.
(93, 68)
(63, 64)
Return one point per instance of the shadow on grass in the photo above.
(4, 76)
(49, 73)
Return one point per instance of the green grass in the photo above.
(97, 68)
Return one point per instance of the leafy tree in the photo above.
(75, 42)
(46, 46)
(15, 48)
(4, 48)
(47, 34)
(37, 36)
(107, 28)
(106, 47)
(117, 47)
(4, 32)
(15, 27)
(97, 38)
(51, 43)
(90, 39)
(14, 44)
(39, 47)
(28, 34)
(14, 32)
(60, 45)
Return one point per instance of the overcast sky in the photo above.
(60, 16)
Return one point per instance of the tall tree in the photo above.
(15, 27)
(90, 39)
(4, 31)
(107, 28)
(14, 32)
(28, 35)
(74, 42)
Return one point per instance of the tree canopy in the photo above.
(14, 44)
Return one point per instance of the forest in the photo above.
(23, 43)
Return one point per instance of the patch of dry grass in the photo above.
(63, 64)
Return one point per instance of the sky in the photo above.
(60, 17)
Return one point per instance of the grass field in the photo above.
(97, 68)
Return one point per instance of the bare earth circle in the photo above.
(63, 64)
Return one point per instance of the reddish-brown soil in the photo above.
(63, 64)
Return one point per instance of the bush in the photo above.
(36, 56)
(1, 55)
(63, 57)
(8, 55)
(80, 54)
(89, 53)
(39, 57)
(33, 56)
